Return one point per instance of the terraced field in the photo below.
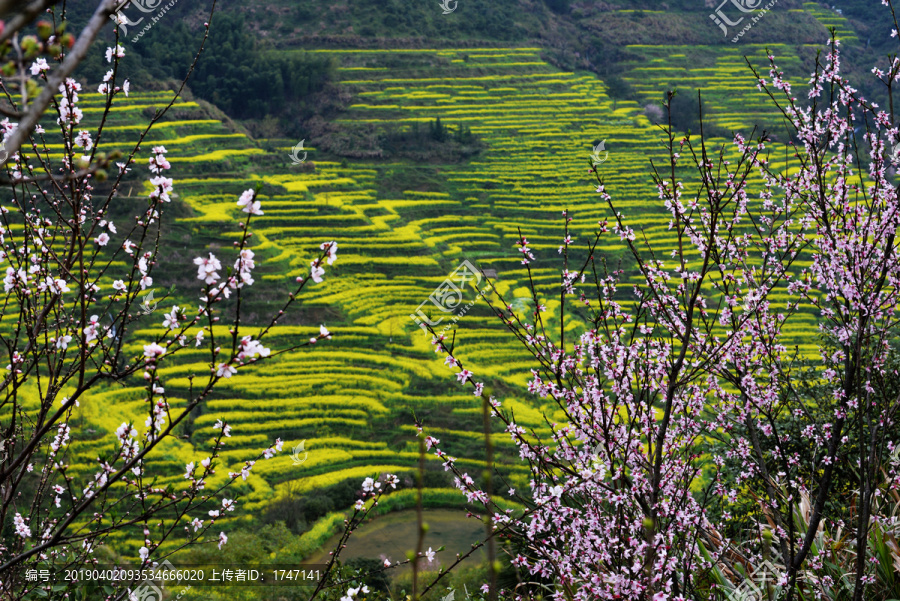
(722, 74)
(354, 399)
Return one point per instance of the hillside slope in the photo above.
(403, 225)
(401, 228)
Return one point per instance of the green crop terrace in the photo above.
(354, 398)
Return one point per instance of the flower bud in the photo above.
(45, 29)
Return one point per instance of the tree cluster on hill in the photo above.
(684, 109)
(236, 72)
(435, 143)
